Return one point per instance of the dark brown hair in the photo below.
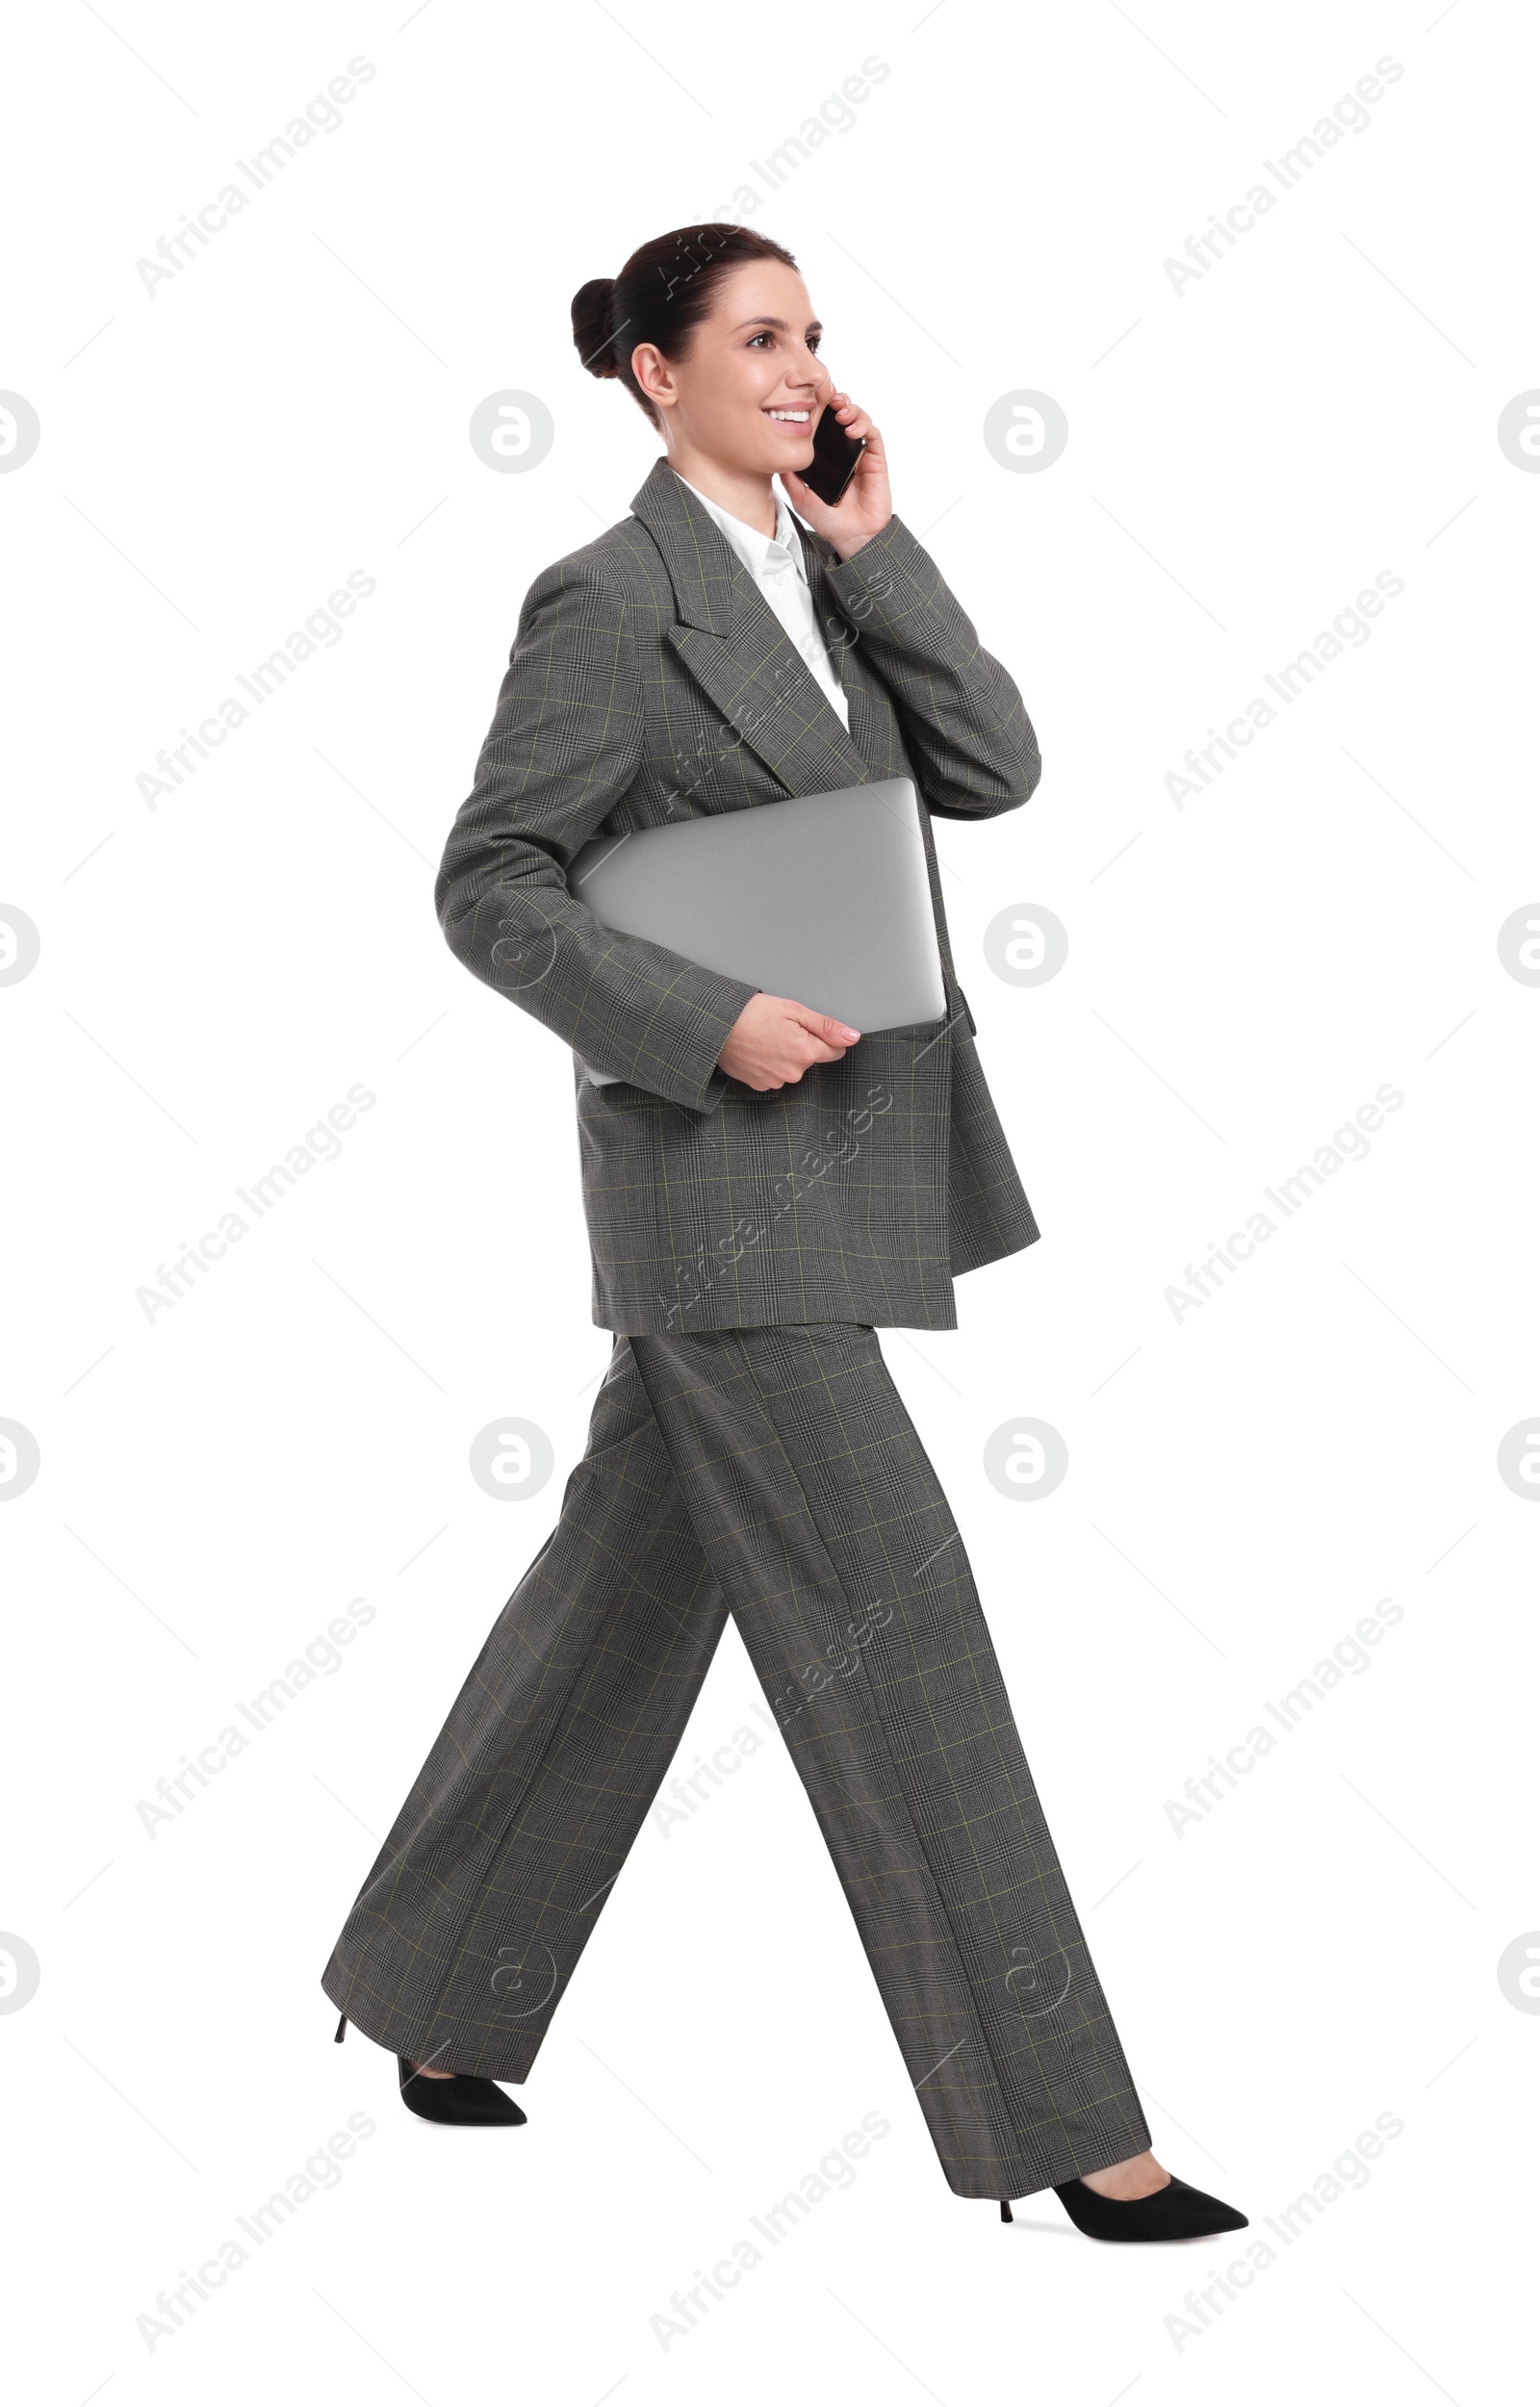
(660, 296)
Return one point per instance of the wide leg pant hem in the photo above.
(773, 1475)
(416, 2040)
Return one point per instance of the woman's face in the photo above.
(755, 358)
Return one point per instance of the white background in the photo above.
(1244, 1483)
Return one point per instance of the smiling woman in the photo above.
(665, 300)
(749, 1451)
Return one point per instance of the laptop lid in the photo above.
(824, 898)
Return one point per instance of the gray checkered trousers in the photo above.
(749, 1453)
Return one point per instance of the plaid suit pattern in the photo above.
(648, 681)
(773, 1472)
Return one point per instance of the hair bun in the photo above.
(592, 320)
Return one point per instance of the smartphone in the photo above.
(835, 458)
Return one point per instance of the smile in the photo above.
(789, 418)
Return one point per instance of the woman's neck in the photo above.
(745, 493)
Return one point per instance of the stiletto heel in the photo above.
(463, 2099)
(1006, 2215)
(1175, 2212)
(454, 2098)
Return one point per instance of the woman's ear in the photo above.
(654, 375)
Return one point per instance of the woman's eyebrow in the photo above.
(814, 325)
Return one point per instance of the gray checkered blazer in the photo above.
(650, 681)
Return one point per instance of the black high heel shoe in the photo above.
(1177, 2212)
(462, 2099)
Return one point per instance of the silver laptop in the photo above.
(822, 897)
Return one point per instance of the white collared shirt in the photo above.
(777, 568)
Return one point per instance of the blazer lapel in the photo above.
(735, 648)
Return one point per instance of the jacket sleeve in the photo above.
(564, 746)
(963, 717)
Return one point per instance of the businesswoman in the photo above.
(765, 1189)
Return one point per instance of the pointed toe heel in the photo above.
(462, 2099)
(1176, 2211)
(465, 2098)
